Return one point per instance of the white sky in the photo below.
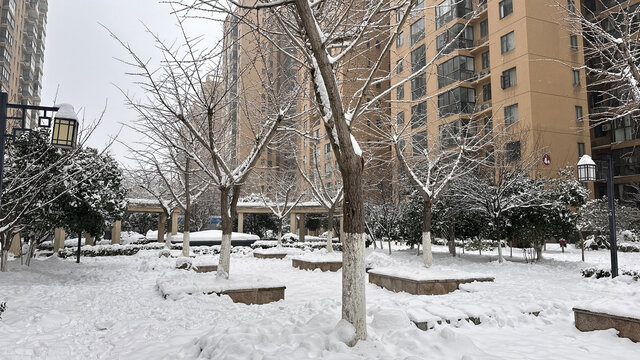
(80, 57)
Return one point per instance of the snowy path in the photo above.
(109, 308)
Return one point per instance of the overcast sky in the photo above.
(80, 57)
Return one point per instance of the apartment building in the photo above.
(22, 38)
(503, 65)
(611, 135)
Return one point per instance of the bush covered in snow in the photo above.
(629, 247)
(184, 263)
(603, 273)
(3, 308)
(100, 250)
(311, 245)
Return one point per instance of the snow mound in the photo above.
(423, 274)
(321, 255)
(175, 285)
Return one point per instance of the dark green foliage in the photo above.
(410, 228)
(258, 224)
(139, 222)
(602, 273)
(314, 222)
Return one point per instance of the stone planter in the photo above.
(257, 296)
(312, 265)
(627, 327)
(269, 255)
(420, 287)
(205, 268)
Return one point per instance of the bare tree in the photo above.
(281, 195)
(609, 30)
(328, 194)
(186, 96)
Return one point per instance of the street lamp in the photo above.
(587, 172)
(65, 127)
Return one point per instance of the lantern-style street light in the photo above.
(587, 173)
(65, 126)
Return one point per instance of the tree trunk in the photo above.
(279, 232)
(227, 229)
(581, 243)
(389, 241)
(427, 255)
(5, 258)
(186, 232)
(539, 252)
(452, 240)
(418, 249)
(31, 251)
(497, 234)
(353, 245)
(330, 231)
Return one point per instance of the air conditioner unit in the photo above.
(606, 127)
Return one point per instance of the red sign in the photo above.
(546, 159)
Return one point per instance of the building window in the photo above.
(511, 114)
(419, 142)
(400, 92)
(578, 113)
(574, 42)
(459, 68)
(571, 6)
(486, 92)
(456, 101)
(377, 44)
(400, 66)
(417, 31)
(576, 77)
(450, 9)
(419, 115)
(484, 28)
(485, 60)
(327, 169)
(506, 8)
(513, 151)
(400, 118)
(418, 59)
(458, 36)
(368, 63)
(327, 151)
(625, 129)
(419, 86)
(507, 42)
(509, 78)
(399, 15)
(400, 39)
(580, 150)
(450, 133)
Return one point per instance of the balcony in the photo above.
(479, 77)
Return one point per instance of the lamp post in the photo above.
(65, 127)
(587, 172)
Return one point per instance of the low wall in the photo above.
(312, 265)
(420, 287)
(255, 296)
(589, 321)
(205, 268)
(269, 256)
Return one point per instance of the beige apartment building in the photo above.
(502, 64)
(22, 39)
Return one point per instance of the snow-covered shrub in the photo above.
(629, 247)
(3, 308)
(100, 250)
(289, 238)
(627, 236)
(603, 273)
(439, 241)
(184, 263)
(164, 253)
(596, 242)
(315, 245)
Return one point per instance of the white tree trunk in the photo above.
(167, 240)
(32, 249)
(330, 240)
(279, 238)
(186, 237)
(225, 257)
(353, 283)
(5, 259)
(427, 255)
(500, 258)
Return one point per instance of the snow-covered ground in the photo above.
(110, 308)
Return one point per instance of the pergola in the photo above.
(297, 215)
(134, 205)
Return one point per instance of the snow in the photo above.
(110, 308)
(422, 273)
(356, 146)
(321, 255)
(66, 111)
(207, 235)
(586, 160)
(626, 307)
(279, 250)
(177, 284)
